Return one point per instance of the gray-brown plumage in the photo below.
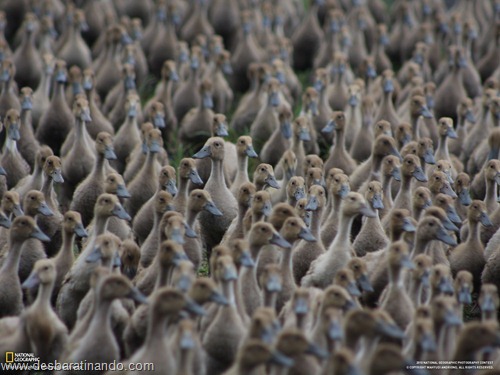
(76, 283)
(372, 236)
(32, 250)
(27, 144)
(469, 255)
(212, 231)
(23, 228)
(12, 161)
(48, 335)
(56, 123)
(92, 186)
(162, 201)
(143, 220)
(307, 252)
(63, 260)
(144, 184)
(395, 300)
(111, 287)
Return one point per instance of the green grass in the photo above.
(203, 270)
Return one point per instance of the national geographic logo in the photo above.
(11, 357)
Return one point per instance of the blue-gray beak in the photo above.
(195, 177)
(429, 157)
(212, 208)
(120, 212)
(45, 210)
(203, 153)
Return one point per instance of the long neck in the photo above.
(98, 172)
(316, 222)
(242, 171)
(68, 240)
(255, 251)
(101, 321)
(155, 338)
(419, 246)
(6, 86)
(156, 223)
(182, 192)
(185, 362)
(286, 265)
(80, 130)
(379, 49)
(238, 299)
(191, 215)
(11, 145)
(387, 105)
(460, 125)
(376, 162)
(168, 91)
(26, 121)
(373, 222)
(228, 291)
(339, 141)
(482, 125)
(193, 76)
(491, 193)
(28, 40)
(162, 277)
(442, 149)
(298, 147)
(242, 211)
(395, 279)
(474, 237)
(13, 256)
(47, 189)
(355, 115)
(166, 88)
(417, 212)
(150, 163)
(344, 232)
(405, 187)
(101, 223)
(42, 301)
(95, 111)
(457, 76)
(59, 92)
(323, 98)
(415, 290)
(45, 84)
(387, 188)
(336, 202)
(335, 209)
(217, 171)
(131, 123)
(73, 33)
(270, 299)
